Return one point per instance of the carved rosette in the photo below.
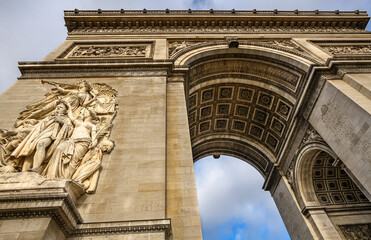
(64, 135)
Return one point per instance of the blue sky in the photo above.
(232, 203)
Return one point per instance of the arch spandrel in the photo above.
(195, 51)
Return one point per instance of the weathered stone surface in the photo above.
(184, 91)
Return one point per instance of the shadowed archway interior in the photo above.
(243, 106)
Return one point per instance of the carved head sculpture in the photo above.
(61, 108)
(86, 114)
(84, 85)
(106, 145)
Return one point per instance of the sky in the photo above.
(232, 203)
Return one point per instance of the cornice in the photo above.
(201, 21)
(94, 68)
(334, 69)
(124, 227)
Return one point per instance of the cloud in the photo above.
(201, 4)
(230, 195)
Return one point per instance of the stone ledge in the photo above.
(160, 225)
(29, 195)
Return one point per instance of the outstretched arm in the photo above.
(60, 89)
(69, 111)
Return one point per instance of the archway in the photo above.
(243, 102)
(335, 205)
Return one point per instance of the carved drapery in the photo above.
(64, 135)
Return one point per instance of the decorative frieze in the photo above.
(127, 227)
(343, 48)
(361, 49)
(108, 51)
(208, 30)
(200, 21)
(356, 231)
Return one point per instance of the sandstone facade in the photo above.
(287, 92)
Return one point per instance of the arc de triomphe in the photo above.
(98, 139)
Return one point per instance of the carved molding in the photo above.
(37, 197)
(179, 48)
(285, 76)
(209, 30)
(200, 21)
(100, 68)
(218, 144)
(127, 227)
(27, 195)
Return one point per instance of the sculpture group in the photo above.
(64, 135)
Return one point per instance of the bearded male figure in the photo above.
(69, 153)
(48, 132)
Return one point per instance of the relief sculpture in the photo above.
(64, 135)
(109, 51)
(348, 49)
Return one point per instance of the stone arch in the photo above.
(303, 173)
(323, 188)
(310, 171)
(242, 101)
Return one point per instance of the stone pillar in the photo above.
(181, 195)
(324, 224)
(333, 117)
(296, 224)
